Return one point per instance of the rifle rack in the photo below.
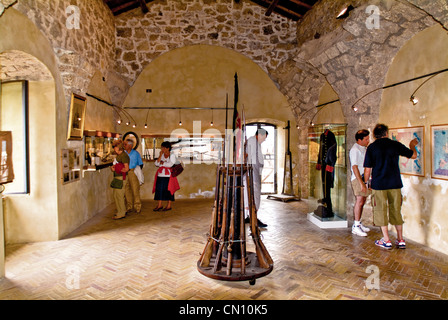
(225, 256)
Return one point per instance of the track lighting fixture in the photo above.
(414, 100)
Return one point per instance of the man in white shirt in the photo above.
(357, 155)
(256, 159)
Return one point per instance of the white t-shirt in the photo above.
(253, 149)
(357, 155)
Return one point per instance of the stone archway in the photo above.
(20, 215)
(353, 59)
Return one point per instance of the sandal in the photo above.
(166, 209)
(118, 218)
(157, 209)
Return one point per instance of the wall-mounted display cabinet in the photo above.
(98, 149)
(201, 149)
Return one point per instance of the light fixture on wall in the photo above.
(146, 120)
(318, 106)
(355, 105)
(211, 122)
(413, 98)
(180, 118)
(129, 119)
(344, 13)
(303, 115)
(121, 113)
(312, 119)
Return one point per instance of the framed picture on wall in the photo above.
(77, 117)
(414, 167)
(65, 166)
(71, 165)
(439, 151)
(6, 166)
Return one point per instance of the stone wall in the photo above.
(351, 57)
(80, 51)
(171, 24)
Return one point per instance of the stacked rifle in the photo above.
(225, 256)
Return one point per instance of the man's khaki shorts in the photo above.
(381, 199)
(356, 186)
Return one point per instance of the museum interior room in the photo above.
(76, 75)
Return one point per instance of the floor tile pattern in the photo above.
(153, 255)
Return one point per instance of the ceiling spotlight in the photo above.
(134, 125)
(414, 100)
(345, 12)
(146, 126)
(128, 123)
(119, 121)
(355, 108)
(180, 123)
(211, 124)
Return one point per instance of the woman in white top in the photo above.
(164, 184)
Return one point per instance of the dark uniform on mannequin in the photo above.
(326, 162)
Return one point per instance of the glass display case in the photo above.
(98, 149)
(189, 150)
(327, 175)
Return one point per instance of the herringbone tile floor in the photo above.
(154, 255)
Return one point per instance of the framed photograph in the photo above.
(439, 151)
(6, 168)
(77, 117)
(414, 167)
(71, 165)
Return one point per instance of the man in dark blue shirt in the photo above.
(381, 163)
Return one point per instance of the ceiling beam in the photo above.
(291, 12)
(143, 6)
(272, 7)
(122, 7)
(302, 4)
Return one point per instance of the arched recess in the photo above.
(424, 196)
(34, 216)
(31, 215)
(202, 76)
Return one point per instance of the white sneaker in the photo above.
(358, 231)
(364, 228)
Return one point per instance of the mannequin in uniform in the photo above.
(325, 162)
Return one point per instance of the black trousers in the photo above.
(327, 185)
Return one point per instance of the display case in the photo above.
(98, 149)
(327, 175)
(203, 149)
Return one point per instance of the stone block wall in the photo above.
(351, 57)
(172, 24)
(81, 50)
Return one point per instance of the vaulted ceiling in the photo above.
(292, 9)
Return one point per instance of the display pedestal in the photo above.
(334, 222)
(283, 197)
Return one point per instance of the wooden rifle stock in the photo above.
(208, 251)
(222, 237)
